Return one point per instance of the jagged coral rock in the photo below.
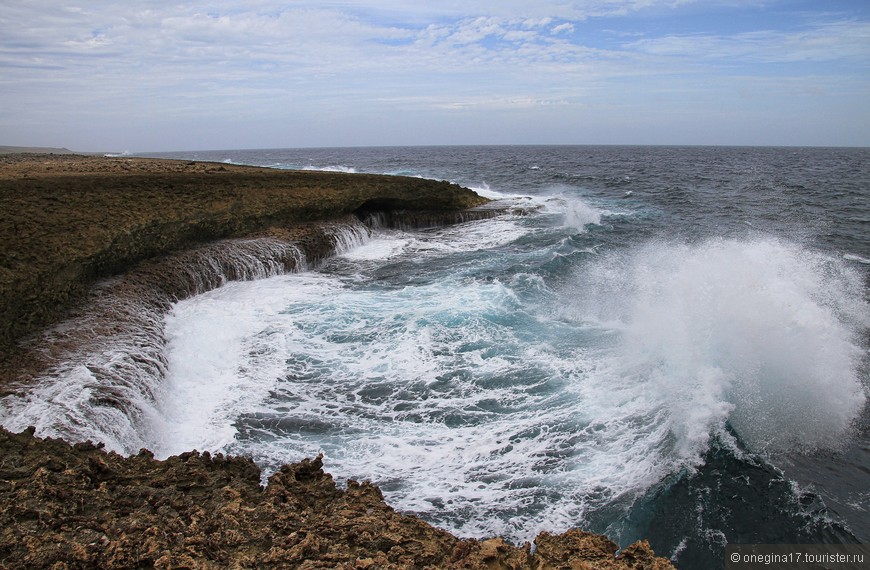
(65, 506)
(579, 550)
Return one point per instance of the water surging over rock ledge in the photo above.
(147, 229)
(96, 375)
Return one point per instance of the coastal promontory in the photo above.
(69, 220)
(72, 222)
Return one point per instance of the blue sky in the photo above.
(169, 75)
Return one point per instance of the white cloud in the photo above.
(162, 62)
(828, 41)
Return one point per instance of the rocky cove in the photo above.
(109, 244)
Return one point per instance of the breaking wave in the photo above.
(761, 335)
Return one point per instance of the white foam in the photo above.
(578, 213)
(575, 212)
(407, 173)
(856, 258)
(762, 334)
(65, 408)
(379, 248)
(223, 358)
(486, 192)
(102, 394)
(471, 236)
(331, 168)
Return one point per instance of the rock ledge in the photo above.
(69, 220)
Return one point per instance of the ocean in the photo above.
(670, 343)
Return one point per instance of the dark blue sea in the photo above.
(670, 343)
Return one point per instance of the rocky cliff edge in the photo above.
(65, 506)
(69, 220)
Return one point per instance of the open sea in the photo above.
(670, 343)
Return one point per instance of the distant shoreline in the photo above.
(181, 154)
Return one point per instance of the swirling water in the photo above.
(670, 343)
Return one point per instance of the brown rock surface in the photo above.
(65, 506)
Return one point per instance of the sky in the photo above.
(159, 75)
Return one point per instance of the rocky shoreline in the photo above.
(65, 506)
(69, 220)
(72, 220)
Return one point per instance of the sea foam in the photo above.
(490, 410)
(760, 334)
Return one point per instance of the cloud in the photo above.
(499, 103)
(183, 42)
(827, 41)
(163, 63)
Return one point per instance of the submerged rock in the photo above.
(76, 506)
